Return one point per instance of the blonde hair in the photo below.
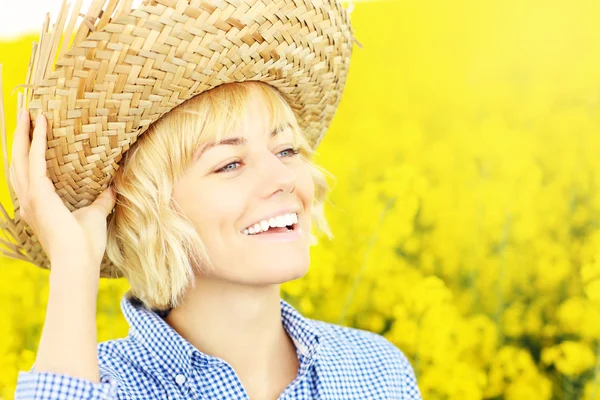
(153, 244)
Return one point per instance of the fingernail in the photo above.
(23, 114)
(40, 119)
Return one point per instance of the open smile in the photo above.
(279, 224)
(283, 228)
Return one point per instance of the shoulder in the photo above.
(371, 355)
(123, 350)
(369, 345)
(125, 362)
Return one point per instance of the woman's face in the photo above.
(252, 176)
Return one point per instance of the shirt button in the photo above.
(301, 348)
(180, 379)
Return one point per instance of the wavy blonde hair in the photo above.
(152, 243)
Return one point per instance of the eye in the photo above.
(290, 152)
(227, 167)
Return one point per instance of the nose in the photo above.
(276, 176)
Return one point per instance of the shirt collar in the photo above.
(170, 352)
(300, 329)
(173, 354)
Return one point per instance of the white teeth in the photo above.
(264, 225)
(280, 221)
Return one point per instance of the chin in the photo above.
(276, 274)
(259, 269)
(262, 278)
(290, 274)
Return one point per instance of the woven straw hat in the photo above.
(127, 68)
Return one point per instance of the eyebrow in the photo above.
(238, 141)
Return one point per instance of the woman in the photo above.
(214, 208)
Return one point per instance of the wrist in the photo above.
(75, 269)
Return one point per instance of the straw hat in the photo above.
(127, 68)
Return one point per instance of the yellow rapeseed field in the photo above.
(466, 207)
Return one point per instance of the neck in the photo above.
(242, 325)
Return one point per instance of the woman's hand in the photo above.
(75, 243)
(64, 235)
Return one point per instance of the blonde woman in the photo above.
(214, 206)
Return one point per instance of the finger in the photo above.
(12, 179)
(106, 200)
(37, 153)
(20, 153)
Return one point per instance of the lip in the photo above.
(289, 236)
(275, 214)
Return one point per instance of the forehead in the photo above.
(234, 111)
(258, 113)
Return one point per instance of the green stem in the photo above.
(363, 266)
(596, 373)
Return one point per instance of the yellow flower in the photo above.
(591, 270)
(570, 314)
(527, 387)
(460, 381)
(570, 358)
(592, 389)
(592, 291)
(464, 211)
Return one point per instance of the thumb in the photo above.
(106, 200)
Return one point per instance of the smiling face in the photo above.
(247, 175)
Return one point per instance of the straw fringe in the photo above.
(41, 57)
(3, 133)
(25, 97)
(54, 43)
(70, 27)
(91, 16)
(7, 225)
(57, 32)
(17, 256)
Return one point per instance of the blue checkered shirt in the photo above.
(155, 362)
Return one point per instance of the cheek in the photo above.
(305, 184)
(209, 209)
(213, 209)
(193, 202)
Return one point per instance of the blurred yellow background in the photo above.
(466, 211)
